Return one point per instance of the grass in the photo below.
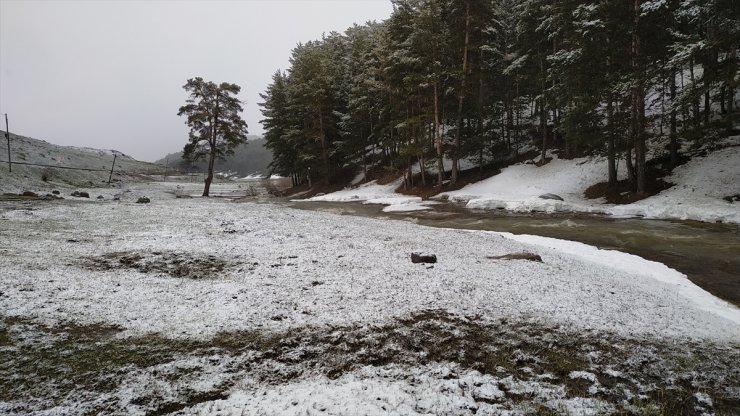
(42, 367)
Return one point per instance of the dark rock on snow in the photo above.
(732, 198)
(423, 258)
(30, 194)
(518, 256)
(143, 200)
(551, 196)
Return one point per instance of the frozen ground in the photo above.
(210, 306)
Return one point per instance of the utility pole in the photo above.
(7, 136)
(166, 162)
(111, 168)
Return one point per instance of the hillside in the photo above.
(40, 165)
(248, 159)
(705, 188)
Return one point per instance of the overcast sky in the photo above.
(109, 74)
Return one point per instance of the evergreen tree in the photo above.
(216, 126)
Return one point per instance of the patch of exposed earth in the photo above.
(463, 366)
(174, 264)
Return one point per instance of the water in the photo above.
(709, 254)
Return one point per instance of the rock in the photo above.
(143, 200)
(30, 194)
(55, 192)
(423, 258)
(100, 197)
(517, 256)
(551, 196)
(732, 198)
(84, 195)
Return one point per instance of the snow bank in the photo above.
(292, 268)
(636, 266)
(518, 187)
(373, 193)
(699, 187)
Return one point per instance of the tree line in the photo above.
(481, 79)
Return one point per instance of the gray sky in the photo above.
(109, 74)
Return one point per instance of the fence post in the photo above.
(7, 136)
(111, 168)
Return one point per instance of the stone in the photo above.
(55, 192)
(517, 256)
(30, 194)
(423, 258)
(100, 197)
(143, 200)
(84, 195)
(732, 198)
(551, 196)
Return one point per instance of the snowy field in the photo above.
(208, 306)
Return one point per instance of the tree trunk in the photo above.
(731, 84)
(630, 165)
(638, 103)
(543, 113)
(479, 126)
(438, 137)
(212, 158)
(518, 122)
(694, 97)
(461, 97)
(673, 131)
(611, 153)
(707, 106)
(324, 151)
(209, 178)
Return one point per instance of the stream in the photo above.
(709, 254)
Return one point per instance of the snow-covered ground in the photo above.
(699, 188)
(65, 167)
(270, 269)
(278, 252)
(374, 193)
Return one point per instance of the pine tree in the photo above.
(216, 126)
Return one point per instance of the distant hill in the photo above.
(40, 165)
(249, 158)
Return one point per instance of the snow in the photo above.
(274, 254)
(374, 193)
(393, 390)
(699, 187)
(697, 194)
(518, 187)
(636, 265)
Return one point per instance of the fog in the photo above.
(109, 74)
